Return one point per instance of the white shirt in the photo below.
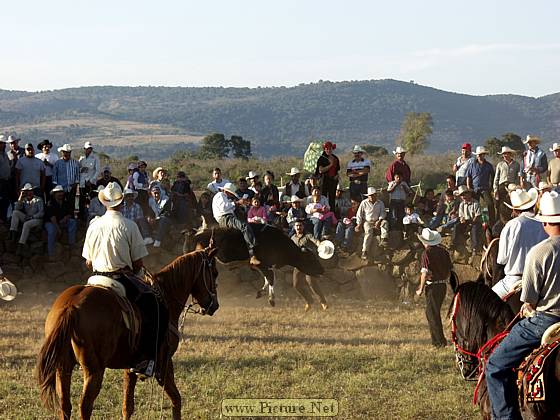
(370, 212)
(214, 185)
(412, 218)
(312, 208)
(91, 165)
(51, 158)
(113, 242)
(157, 207)
(222, 205)
(469, 211)
(518, 236)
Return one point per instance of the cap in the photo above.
(466, 146)
(29, 145)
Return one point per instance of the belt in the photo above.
(357, 181)
(429, 282)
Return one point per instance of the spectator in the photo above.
(96, 207)
(411, 222)
(327, 169)
(462, 163)
(5, 185)
(440, 209)
(398, 194)
(180, 197)
(205, 208)
(269, 193)
(296, 213)
(447, 211)
(141, 181)
(243, 190)
(295, 186)
(480, 175)
(554, 166)
(469, 221)
(159, 221)
(218, 182)
(107, 177)
(320, 214)
(253, 180)
(158, 175)
(132, 169)
(358, 170)
(49, 159)
(346, 226)
(427, 204)
(257, 213)
(58, 216)
(14, 153)
(342, 203)
(89, 171)
(66, 172)
(132, 211)
(398, 165)
(371, 216)
(30, 170)
(507, 172)
(534, 164)
(29, 211)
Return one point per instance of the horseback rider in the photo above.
(518, 236)
(223, 208)
(541, 296)
(114, 248)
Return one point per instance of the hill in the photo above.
(278, 121)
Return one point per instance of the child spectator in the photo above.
(257, 213)
(346, 226)
(398, 192)
(411, 222)
(320, 214)
(296, 213)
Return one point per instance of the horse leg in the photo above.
(260, 292)
(271, 287)
(92, 386)
(130, 380)
(63, 382)
(172, 391)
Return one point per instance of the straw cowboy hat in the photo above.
(370, 191)
(463, 189)
(293, 171)
(65, 148)
(531, 138)
(252, 174)
(27, 187)
(13, 139)
(8, 290)
(429, 237)
(398, 150)
(523, 200)
(549, 208)
(128, 191)
(111, 195)
(230, 188)
(543, 186)
(358, 149)
(325, 250)
(156, 171)
(99, 188)
(58, 188)
(295, 199)
(555, 147)
(88, 145)
(480, 150)
(506, 149)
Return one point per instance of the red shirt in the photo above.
(400, 167)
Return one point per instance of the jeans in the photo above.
(500, 377)
(460, 231)
(489, 203)
(229, 220)
(344, 234)
(163, 225)
(319, 228)
(396, 213)
(71, 225)
(356, 190)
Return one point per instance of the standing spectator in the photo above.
(435, 272)
(371, 215)
(96, 207)
(358, 170)
(469, 221)
(462, 163)
(554, 166)
(58, 216)
(257, 213)
(89, 171)
(480, 175)
(29, 211)
(295, 186)
(158, 175)
(5, 189)
(218, 182)
(180, 193)
(398, 193)
(534, 164)
(507, 172)
(328, 166)
(30, 170)
(131, 210)
(399, 165)
(14, 153)
(159, 220)
(49, 159)
(141, 181)
(107, 177)
(66, 172)
(132, 169)
(243, 190)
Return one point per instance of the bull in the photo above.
(274, 249)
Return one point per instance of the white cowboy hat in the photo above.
(27, 187)
(99, 188)
(531, 138)
(252, 174)
(8, 290)
(555, 146)
(543, 185)
(358, 149)
(370, 191)
(506, 149)
(480, 150)
(295, 199)
(523, 200)
(12, 139)
(230, 188)
(3, 139)
(88, 145)
(399, 149)
(111, 195)
(156, 171)
(65, 148)
(128, 191)
(549, 208)
(132, 165)
(58, 188)
(293, 171)
(462, 190)
(429, 237)
(325, 250)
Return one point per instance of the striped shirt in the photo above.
(66, 173)
(133, 212)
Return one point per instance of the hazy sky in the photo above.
(475, 46)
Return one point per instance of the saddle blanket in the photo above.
(109, 283)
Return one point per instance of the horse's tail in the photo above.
(55, 354)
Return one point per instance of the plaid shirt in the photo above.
(133, 212)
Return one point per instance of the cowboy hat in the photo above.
(555, 146)
(293, 171)
(132, 165)
(398, 150)
(462, 190)
(429, 237)
(325, 250)
(157, 171)
(111, 195)
(358, 149)
(543, 185)
(295, 199)
(523, 200)
(99, 188)
(142, 162)
(229, 187)
(549, 208)
(58, 188)
(44, 143)
(531, 138)
(27, 187)
(65, 148)
(506, 149)
(3, 139)
(13, 139)
(128, 191)
(480, 150)
(8, 290)
(88, 145)
(252, 174)
(370, 191)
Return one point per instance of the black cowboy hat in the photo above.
(44, 142)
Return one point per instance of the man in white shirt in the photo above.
(518, 236)
(218, 181)
(223, 209)
(371, 215)
(49, 159)
(358, 170)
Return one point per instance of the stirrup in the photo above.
(144, 369)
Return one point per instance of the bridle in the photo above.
(464, 358)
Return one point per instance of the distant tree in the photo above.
(416, 128)
(214, 146)
(372, 150)
(240, 148)
(494, 144)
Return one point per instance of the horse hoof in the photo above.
(259, 294)
(271, 302)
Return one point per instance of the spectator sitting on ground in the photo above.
(28, 211)
(427, 204)
(320, 214)
(96, 208)
(295, 186)
(341, 202)
(218, 182)
(411, 222)
(132, 211)
(158, 175)
(107, 177)
(346, 226)
(132, 169)
(447, 212)
(470, 216)
(159, 221)
(30, 170)
(252, 180)
(296, 213)
(58, 216)
(371, 216)
(180, 196)
(243, 190)
(257, 213)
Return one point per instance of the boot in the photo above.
(324, 306)
(20, 249)
(144, 369)
(307, 307)
(254, 260)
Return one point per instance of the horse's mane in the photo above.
(170, 276)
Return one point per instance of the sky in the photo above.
(476, 47)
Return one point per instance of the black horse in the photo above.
(274, 249)
(477, 315)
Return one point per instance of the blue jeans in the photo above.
(500, 377)
(163, 226)
(318, 228)
(71, 225)
(344, 234)
(229, 220)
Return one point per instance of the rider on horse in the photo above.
(114, 248)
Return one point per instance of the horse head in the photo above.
(204, 291)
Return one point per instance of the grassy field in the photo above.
(374, 358)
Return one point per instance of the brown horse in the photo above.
(86, 326)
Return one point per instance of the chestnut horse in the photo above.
(86, 326)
